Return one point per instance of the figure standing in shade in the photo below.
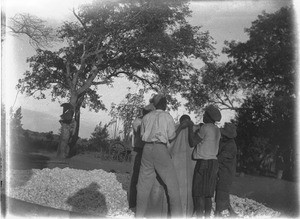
(137, 151)
(227, 169)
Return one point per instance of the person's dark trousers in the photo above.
(199, 205)
(137, 154)
(157, 158)
(204, 184)
(202, 206)
(222, 199)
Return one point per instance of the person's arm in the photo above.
(193, 137)
(178, 130)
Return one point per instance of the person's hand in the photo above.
(190, 123)
(184, 125)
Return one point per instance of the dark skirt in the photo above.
(205, 177)
(137, 158)
(222, 201)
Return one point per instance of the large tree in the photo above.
(266, 66)
(146, 41)
(265, 63)
(258, 82)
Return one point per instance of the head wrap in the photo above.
(149, 107)
(213, 112)
(156, 98)
(229, 130)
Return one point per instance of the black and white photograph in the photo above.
(149, 109)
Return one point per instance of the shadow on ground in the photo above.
(11, 206)
(124, 179)
(89, 198)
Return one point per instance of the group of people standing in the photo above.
(178, 169)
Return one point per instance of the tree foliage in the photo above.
(99, 138)
(269, 119)
(216, 84)
(148, 42)
(266, 66)
(39, 33)
(267, 60)
(128, 110)
(258, 83)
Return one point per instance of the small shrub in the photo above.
(99, 139)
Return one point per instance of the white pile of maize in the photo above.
(94, 192)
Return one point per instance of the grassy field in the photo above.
(277, 194)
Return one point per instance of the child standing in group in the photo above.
(227, 167)
(205, 154)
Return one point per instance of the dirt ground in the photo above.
(279, 195)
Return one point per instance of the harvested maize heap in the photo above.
(95, 192)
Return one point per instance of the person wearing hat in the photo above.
(227, 167)
(157, 131)
(206, 143)
(136, 153)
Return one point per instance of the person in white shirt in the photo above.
(136, 153)
(206, 146)
(157, 131)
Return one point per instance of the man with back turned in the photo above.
(157, 131)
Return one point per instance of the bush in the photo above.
(99, 139)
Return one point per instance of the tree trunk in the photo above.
(69, 131)
(74, 136)
(63, 147)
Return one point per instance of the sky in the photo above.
(225, 20)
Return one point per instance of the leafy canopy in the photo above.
(128, 110)
(264, 65)
(146, 41)
(267, 60)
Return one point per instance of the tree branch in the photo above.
(143, 80)
(39, 34)
(227, 98)
(222, 102)
(57, 82)
(89, 81)
(100, 82)
(78, 18)
(68, 77)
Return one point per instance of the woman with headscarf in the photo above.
(181, 154)
(227, 168)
